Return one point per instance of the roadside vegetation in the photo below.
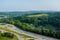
(7, 36)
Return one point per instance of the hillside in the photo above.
(47, 23)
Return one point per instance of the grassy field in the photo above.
(38, 15)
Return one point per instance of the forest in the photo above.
(47, 24)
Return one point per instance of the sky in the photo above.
(26, 5)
